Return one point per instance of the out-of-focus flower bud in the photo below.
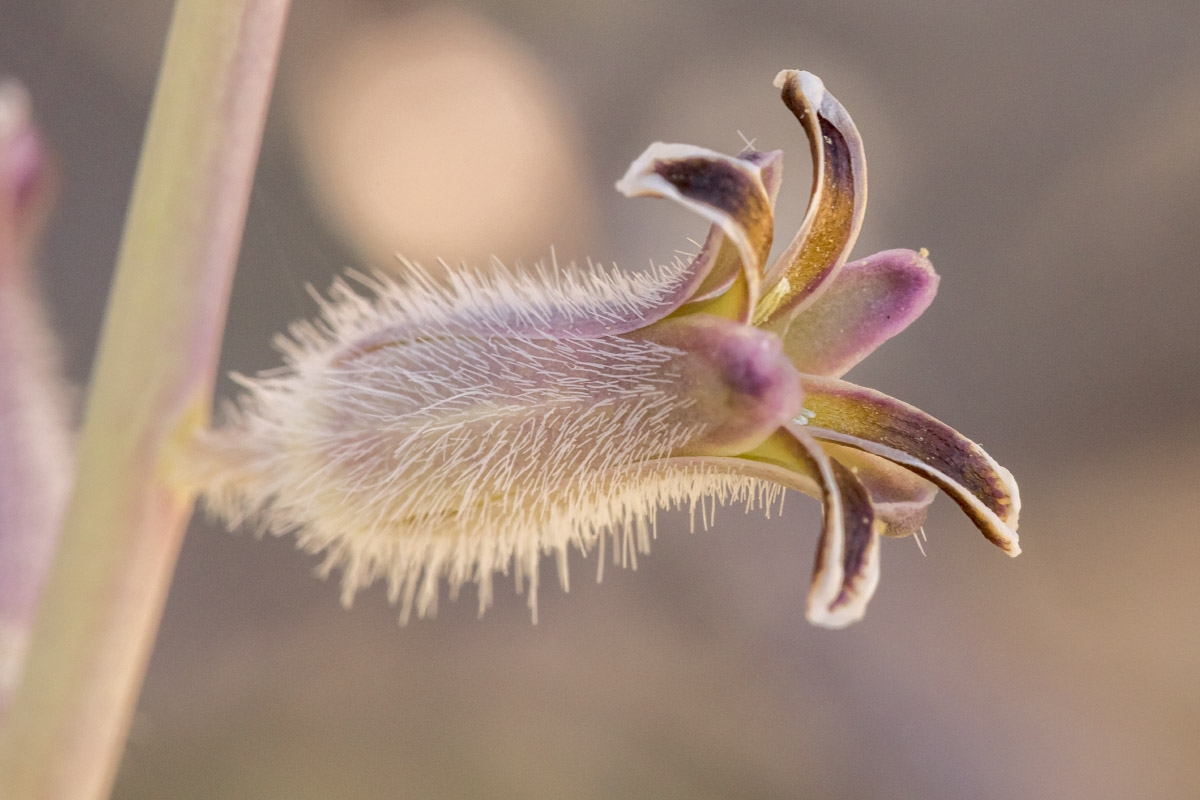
(35, 452)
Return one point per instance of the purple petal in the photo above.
(872, 421)
(835, 208)
(740, 385)
(867, 303)
(846, 570)
(728, 191)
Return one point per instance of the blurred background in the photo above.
(1045, 152)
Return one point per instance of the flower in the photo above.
(454, 427)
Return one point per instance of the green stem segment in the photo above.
(151, 389)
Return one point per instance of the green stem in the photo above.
(151, 389)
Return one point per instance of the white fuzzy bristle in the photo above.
(458, 429)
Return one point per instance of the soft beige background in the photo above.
(1047, 153)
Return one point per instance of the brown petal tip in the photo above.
(807, 84)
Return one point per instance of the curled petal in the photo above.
(901, 497)
(846, 570)
(726, 190)
(836, 206)
(871, 421)
(718, 260)
(867, 303)
(860, 557)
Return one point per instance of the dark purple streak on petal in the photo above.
(846, 569)
(726, 190)
(718, 258)
(871, 421)
(836, 206)
(901, 497)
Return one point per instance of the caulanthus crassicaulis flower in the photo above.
(456, 427)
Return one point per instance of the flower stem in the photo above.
(151, 389)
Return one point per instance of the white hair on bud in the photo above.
(444, 429)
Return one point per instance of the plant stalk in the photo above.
(150, 391)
